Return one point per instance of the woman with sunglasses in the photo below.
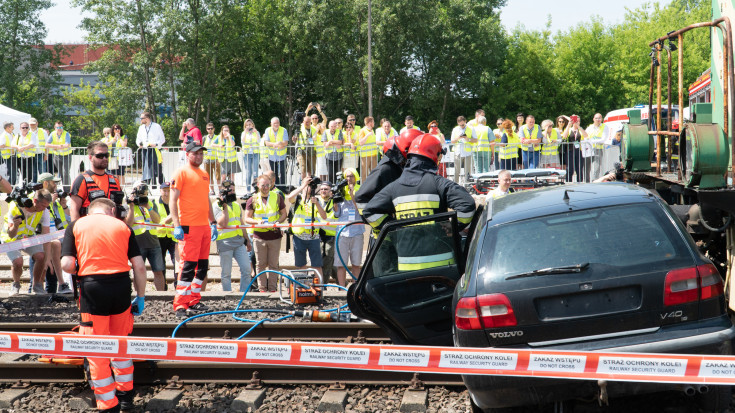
(229, 163)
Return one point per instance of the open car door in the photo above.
(408, 280)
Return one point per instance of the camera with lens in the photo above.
(298, 117)
(61, 193)
(140, 194)
(226, 193)
(20, 193)
(121, 211)
(314, 184)
(338, 191)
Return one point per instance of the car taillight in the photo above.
(710, 281)
(485, 311)
(687, 285)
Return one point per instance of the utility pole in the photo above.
(370, 58)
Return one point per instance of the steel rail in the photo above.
(302, 331)
(147, 372)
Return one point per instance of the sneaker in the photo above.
(38, 290)
(64, 289)
(14, 289)
(198, 308)
(181, 313)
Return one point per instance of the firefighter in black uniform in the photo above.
(421, 192)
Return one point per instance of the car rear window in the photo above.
(619, 236)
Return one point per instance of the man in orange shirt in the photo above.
(94, 183)
(194, 227)
(100, 258)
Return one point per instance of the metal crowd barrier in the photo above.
(131, 166)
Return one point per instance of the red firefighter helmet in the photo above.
(402, 141)
(427, 145)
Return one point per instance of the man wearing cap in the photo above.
(58, 219)
(93, 183)
(40, 136)
(194, 227)
(409, 125)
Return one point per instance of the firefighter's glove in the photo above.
(179, 233)
(138, 305)
(214, 231)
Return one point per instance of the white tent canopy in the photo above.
(11, 115)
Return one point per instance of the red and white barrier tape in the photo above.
(32, 241)
(312, 224)
(639, 367)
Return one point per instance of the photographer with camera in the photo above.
(25, 215)
(351, 240)
(58, 219)
(307, 210)
(95, 183)
(231, 242)
(143, 211)
(328, 197)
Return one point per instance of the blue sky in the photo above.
(62, 20)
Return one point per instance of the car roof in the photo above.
(563, 198)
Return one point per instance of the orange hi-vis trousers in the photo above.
(101, 380)
(193, 265)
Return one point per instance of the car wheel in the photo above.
(717, 399)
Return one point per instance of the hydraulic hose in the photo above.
(336, 243)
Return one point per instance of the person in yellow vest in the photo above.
(476, 121)
(211, 157)
(25, 147)
(503, 188)
(142, 212)
(275, 139)
(464, 139)
(508, 146)
(497, 133)
(366, 146)
(228, 155)
(315, 117)
(408, 124)
(307, 210)
(21, 223)
(351, 240)
(333, 140)
(250, 144)
(305, 150)
(40, 136)
(231, 242)
(266, 207)
(327, 233)
(530, 135)
(7, 140)
(382, 135)
(597, 135)
(59, 145)
(351, 158)
(482, 156)
(59, 218)
(353, 120)
(321, 154)
(166, 235)
(120, 153)
(550, 147)
(109, 140)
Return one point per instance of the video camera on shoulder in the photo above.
(20, 192)
(226, 193)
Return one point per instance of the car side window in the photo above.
(417, 247)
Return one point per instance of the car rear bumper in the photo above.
(505, 391)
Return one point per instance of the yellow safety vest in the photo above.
(229, 153)
(598, 135)
(232, 221)
(141, 220)
(495, 138)
(510, 150)
(350, 139)
(467, 131)
(27, 227)
(329, 230)
(483, 144)
(275, 137)
(318, 145)
(41, 148)
(9, 138)
(369, 148)
(251, 143)
(60, 140)
(301, 217)
(21, 141)
(164, 232)
(527, 135)
(268, 211)
(212, 153)
(380, 137)
(330, 137)
(302, 141)
(548, 148)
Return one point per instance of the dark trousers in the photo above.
(332, 168)
(279, 168)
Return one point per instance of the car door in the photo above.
(408, 279)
